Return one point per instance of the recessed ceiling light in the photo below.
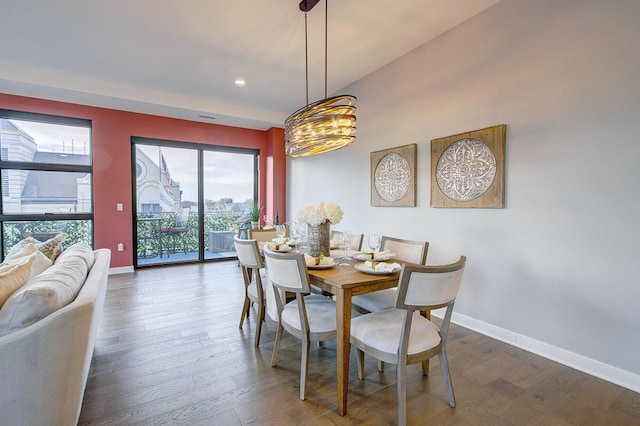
(240, 82)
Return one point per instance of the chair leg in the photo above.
(245, 310)
(304, 367)
(360, 358)
(402, 392)
(444, 364)
(259, 321)
(276, 345)
(425, 367)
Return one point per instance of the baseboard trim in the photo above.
(120, 270)
(590, 366)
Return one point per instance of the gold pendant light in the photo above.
(324, 125)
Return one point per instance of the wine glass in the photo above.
(303, 246)
(343, 244)
(267, 221)
(374, 242)
(281, 231)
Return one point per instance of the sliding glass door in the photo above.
(190, 199)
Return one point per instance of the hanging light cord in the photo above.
(306, 58)
(326, 30)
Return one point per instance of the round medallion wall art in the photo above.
(467, 170)
(393, 176)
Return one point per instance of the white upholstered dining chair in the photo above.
(309, 317)
(405, 250)
(252, 265)
(356, 239)
(401, 335)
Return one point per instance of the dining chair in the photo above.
(251, 263)
(308, 317)
(402, 336)
(179, 228)
(405, 250)
(356, 239)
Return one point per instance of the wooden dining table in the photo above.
(345, 282)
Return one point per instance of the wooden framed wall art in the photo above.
(467, 169)
(393, 177)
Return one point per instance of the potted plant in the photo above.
(254, 214)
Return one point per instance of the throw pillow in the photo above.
(13, 275)
(52, 247)
(53, 289)
(41, 262)
(79, 250)
(20, 245)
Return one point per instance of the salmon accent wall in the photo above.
(111, 146)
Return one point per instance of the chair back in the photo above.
(356, 239)
(248, 253)
(182, 218)
(429, 287)
(287, 271)
(262, 235)
(406, 250)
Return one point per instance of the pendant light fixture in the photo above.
(325, 125)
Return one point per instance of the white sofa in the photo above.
(44, 367)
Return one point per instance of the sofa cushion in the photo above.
(40, 263)
(80, 250)
(51, 290)
(50, 248)
(13, 275)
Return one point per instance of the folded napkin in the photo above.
(277, 246)
(316, 261)
(384, 255)
(382, 266)
(280, 240)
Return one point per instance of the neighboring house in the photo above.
(57, 191)
(156, 191)
(37, 191)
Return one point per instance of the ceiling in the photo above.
(180, 59)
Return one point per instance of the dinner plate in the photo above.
(363, 257)
(329, 266)
(360, 267)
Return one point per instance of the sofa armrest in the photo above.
(44, 367)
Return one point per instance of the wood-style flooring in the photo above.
(169, 352)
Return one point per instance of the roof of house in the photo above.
(53, 187)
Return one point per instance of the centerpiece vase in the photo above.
(319, 239)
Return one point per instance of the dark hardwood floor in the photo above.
(169, 352)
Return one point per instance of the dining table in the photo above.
(345, 282)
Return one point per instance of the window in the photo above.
(47, 178)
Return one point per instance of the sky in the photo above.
(226, 175)
(52, 137)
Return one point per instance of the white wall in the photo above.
(558, 269)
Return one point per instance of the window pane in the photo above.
(36, 142)
(37, 191)
(228, 191)
(76, 230)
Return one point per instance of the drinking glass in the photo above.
(267, 221)
(281, 231)
(303, 245)
(343, 244)
(374, 242)
(294, 235)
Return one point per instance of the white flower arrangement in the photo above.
(319, 213)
